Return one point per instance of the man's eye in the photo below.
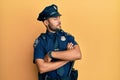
(55, 18)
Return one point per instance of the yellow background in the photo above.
(94, 23)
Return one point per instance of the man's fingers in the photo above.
(47, 58)
(70, 46)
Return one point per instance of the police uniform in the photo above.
(46, 42)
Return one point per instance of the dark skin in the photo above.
(72, 53)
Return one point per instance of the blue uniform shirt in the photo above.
(45, 43)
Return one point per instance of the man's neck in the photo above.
(51, 31)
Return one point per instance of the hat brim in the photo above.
(55, 15)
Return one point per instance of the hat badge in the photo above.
(55, 8)
(63, 38)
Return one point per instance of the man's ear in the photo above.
(45, 22)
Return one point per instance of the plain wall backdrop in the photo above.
(94, 23)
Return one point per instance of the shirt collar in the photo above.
(56, 33)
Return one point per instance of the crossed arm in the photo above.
(69, 55)
(72, 53)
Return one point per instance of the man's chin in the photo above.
(59, 27)
(55, 29)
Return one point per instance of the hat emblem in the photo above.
(54, 7)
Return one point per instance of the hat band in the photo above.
(52, 13)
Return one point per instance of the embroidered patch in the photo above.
(36, 42)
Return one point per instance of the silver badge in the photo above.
(55, 7)
(63, 38)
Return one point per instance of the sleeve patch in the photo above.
(36, 43)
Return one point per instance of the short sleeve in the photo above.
(72, 39)
(39, 51)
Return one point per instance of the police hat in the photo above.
(49, 11)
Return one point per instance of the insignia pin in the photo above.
(63, 38)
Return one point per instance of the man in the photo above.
(55, 50)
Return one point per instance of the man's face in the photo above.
(54, 23)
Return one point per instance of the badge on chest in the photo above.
(63, 38)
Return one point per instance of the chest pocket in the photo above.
(63, 43)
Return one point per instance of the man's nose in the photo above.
(59, 20)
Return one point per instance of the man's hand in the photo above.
(69, 46)
(47, 58)
(70, 54)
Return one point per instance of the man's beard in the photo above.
(54, 29)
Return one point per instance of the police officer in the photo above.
(55, 50)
